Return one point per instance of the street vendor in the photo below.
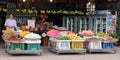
(10, 23)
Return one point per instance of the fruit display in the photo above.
(11, 36)
(24, 33)
(7, 31)
(110, 39)
(53, 33)
(101, 34)
(86, 33)
(73, 36)
(106, 37)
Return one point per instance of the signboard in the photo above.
(111, 23)
(31, 23)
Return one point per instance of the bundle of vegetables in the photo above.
(86, 33)
(73, 36)
(63, 36)
(32, 36)
(10, 36)
(53, 33)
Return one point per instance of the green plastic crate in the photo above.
(17, 46)
(33, 47)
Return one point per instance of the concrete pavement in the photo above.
(51, 56)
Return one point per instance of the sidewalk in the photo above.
(51, 56)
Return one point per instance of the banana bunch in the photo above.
(74, 37)
(30, 11)
(5, 10)
(23, 10)
(17, 10)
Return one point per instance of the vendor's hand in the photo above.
(12, 27)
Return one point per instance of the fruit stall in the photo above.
(22, 42)
(101, 42)
(67, 46)
(65, 42)
(82, 42)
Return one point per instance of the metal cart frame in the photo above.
(57, 50)
(11, 52)
(112, 50)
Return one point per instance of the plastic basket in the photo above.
(33, 47)
(107, 45)
(95, 45)
(17, 46)
(63, 45)
(77, 45)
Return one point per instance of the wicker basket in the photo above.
(93, 39)
(114, 40)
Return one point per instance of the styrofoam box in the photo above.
(95, 45)
(30, 41)
(63, 45)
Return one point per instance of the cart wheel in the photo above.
(83, 53)
(57, 53)
(89, 52)
(11, 54)
(40, 54)
(114, 51)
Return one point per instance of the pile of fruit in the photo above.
(101, 34)
(24, 33)
(10, 36)
(86, 33)
(68, 35)
(7, 31)
(53, 33)
(111, 39)
(73, 36)
(106, 37)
